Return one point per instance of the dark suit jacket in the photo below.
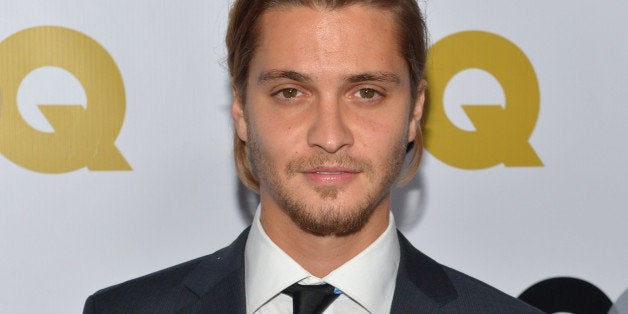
(215, 284)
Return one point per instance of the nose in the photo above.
(329, 129)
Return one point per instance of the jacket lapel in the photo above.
(218, 281)
(422, 284)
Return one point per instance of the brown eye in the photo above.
(289, 93)
(367, 93)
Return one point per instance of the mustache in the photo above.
(309, 163)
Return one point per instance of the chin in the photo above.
(334, 213)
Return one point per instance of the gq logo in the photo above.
(82, 137)
(502, 133)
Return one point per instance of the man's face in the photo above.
(328, 114)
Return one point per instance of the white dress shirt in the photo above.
(367, 280)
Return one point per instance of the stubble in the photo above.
(328, 217)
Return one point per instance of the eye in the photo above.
(289, 93)
(367, 93)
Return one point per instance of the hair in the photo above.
(243, 33)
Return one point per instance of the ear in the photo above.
(417, 112)
(238, 115)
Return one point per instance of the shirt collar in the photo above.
(267, 269)
(368, 278)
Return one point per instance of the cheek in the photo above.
(383, 131)
(274, 138)
(387, 148)
(279, 128)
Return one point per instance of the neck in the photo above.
(320, 255)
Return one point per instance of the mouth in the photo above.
(331, 175)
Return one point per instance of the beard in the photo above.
(328, 217)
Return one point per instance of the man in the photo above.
(328, 96)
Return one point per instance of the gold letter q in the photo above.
(502, 133)
(82, 136)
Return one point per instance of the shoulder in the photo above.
(446, 289)
(147, 293)
(172, 288)
(477, 296)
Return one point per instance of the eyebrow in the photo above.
(275, 75)
(385, 77)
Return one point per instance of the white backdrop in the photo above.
(64, 235)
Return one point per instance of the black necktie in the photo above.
(311, 299)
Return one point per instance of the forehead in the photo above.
(315, 40)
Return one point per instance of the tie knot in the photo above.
(311, 299)
(296, 288)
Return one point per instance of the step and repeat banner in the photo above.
(115, 147)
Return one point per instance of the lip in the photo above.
(330, 175)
